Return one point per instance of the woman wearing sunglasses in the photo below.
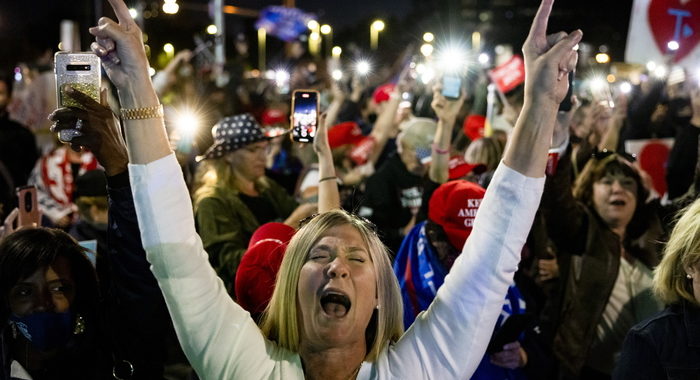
(335, 312)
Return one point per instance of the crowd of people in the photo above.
(414, 238)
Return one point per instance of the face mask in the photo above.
(45, 330)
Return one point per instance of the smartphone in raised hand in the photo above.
(82, 71)
(305, 113)
(451, 86)
(28, 206)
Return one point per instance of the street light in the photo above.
(170, 7)
(312, 25)
(374, 29)
(602, 58)
(426, 50)
(212, 29)
(336, 51)
(133, 13)
(169, 49)
(428, 37)
(327, 31)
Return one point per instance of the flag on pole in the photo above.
(284, 23)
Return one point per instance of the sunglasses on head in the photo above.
(603, 154)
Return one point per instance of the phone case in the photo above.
(299, 133)
(81, 71)
(28, 206)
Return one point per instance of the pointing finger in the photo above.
(539, 24)
(122, 12)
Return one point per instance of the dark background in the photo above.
(28, 27)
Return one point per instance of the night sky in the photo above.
(27, 26)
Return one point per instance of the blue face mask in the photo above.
(46, 331)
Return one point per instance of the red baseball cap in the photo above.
(344, 133)
(256, 274)
(474, 126)
(273, 116)
(458, 168)
(453, 206)
(383, 93)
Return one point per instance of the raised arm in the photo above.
(446, 111)
(120, 45)
(328, 195)
(457, 326)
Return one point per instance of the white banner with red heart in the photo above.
(655, 23)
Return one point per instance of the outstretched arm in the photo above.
(458, 324)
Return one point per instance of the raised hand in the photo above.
(120, 45)
(548, 59)
(446, 110)
(99, 128)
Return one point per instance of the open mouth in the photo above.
(335, 304)
(618, 203)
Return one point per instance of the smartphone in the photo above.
(28, 206)
(510, 331)
(81, 71)
(565, 105)
(451, 86)
(305, 107)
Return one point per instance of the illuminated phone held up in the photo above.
(82, 71)
(451, 86)
(305, 112)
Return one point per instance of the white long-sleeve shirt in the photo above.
(222, 341)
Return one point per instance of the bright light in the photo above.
(420, 68)
(452, 60)
(336, 51)
(651, 66)
(611, 78)
(151, 71)
(427, 75)
(169, 48)
(428, 37)
(597, 84)
(337, 74)
(625, 87)
(314, 36)
(212, 29)
(170, 7)
(673, 45)
(660, 71)
(313, 25)
(378, 25)
(602, 58)
(18, 74)
(133, 12)
(270, 74)
(426, 50)
(186, 122)
(363, 67)
(281, 77)
(326, 29)
(484, 58)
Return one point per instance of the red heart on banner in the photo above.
(675, 19)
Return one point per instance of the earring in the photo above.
(79, 325)
(689, 277)
(377, 307)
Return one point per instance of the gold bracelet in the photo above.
(142, 113)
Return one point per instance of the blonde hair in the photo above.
(280, 322)
(486, 150)
(682, 251)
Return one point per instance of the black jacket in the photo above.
(666, 346)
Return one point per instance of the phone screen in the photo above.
(451, 86)
(304, 115)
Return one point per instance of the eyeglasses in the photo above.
(603, 154)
